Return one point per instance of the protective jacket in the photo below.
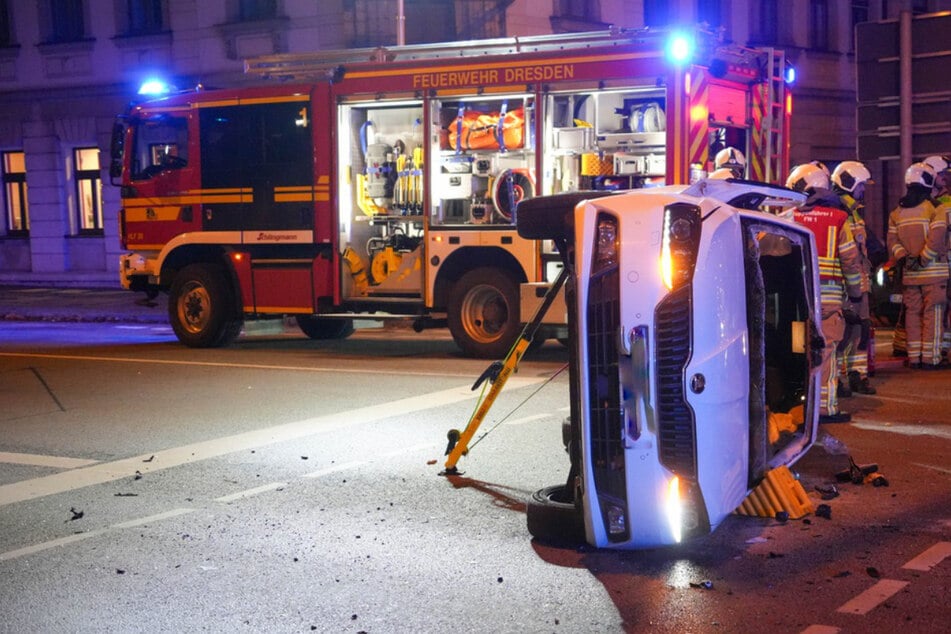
(918, 233)
(840, 267)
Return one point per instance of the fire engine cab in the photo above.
(385, 182)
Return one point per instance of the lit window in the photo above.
(14, 193)
(88, 190)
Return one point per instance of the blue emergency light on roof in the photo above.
(680, 48)
(789, 74)
(154, 87)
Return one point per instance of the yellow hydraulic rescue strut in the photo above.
(497, 374)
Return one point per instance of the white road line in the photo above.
(820, 629)
(906, 430)
(36, 460)
(873, 597)
(158, 517)
(930, 558)
(264, 488)
(527, 419)
(214, 364)
(53, 543)
(164, 459)
(410, 449)
(932, 467)
(344, 466)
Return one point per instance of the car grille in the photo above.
(676, 424)
(607, 444)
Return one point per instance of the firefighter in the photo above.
(917, 238)
(942, 200)
(849, 180)
(731, 159)
(839, 273)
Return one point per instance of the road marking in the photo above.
(932, 467)
(527, 419)
(334, 469)
(36, 460)
(873, 597)
(151, 519)
(820, 629)
(930, 558)
(215, 364)
(264, 488)
(53, 543)
(905, 430)
(164, 459)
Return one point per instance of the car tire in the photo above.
(552, 516)
(483, 315)
(322, 328)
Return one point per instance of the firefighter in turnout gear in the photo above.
(942, 200)
(849, 180)
(917, 238)
(732, 159)
(839, 273)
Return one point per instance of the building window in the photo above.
(656, 12)
(579, 10)
(14, 193)
(251, 10)
(819, 24)
(6, 27)
(66, 21)
(88, 190)
(145, 17)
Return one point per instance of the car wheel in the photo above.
(324, 328)
(553, 517)
(483, 313)
(202, 308)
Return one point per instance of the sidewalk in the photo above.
(26, 303)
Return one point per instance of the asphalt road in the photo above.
(284, 485)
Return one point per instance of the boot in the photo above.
(841, 417)
(842, 390)
(859, 384)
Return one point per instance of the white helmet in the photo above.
(938, 163)
(920, 174)
(807, 177)
(822, 166)
(730, 158)
(848, 175)
(722, 174)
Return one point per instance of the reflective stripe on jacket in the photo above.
(840, 268)
(919, 233)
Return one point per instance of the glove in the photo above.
(851, 314)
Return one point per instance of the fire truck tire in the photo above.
(553, 517)
(483, 315)
(323, 328)
(201, 307)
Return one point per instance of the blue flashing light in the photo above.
(680, 48)
(154, 87)
(789, 74)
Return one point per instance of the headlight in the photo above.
(673, 507)
(606, 244)
(680, 242)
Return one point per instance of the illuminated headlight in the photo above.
(680, 242)
(606, 244)
(674, 508)
(684, 517)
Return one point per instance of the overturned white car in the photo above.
(695, 345)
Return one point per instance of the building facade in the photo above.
(68, 67)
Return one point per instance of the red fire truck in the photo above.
(384, 183)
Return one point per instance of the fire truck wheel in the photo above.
(553, 517)
(201, 307)
(323, 328)
(484, 313)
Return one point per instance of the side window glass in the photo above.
(161, 144)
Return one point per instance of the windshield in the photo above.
(159, 144)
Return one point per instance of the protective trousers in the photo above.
(853, 351)
(833, 328)
(924, 321)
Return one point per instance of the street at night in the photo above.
(288, 485)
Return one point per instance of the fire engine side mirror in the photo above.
(115, 153)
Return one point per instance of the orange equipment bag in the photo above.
(481, 131)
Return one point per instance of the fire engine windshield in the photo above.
(159, 144)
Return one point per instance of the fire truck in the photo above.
(384, 183)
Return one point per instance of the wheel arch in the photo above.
(466, 259)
